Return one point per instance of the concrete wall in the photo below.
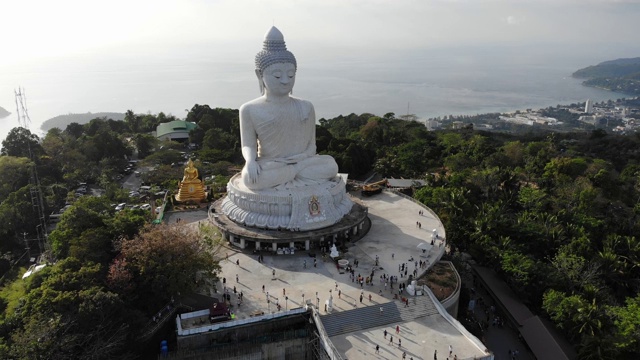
(451, 303)
(289, 349)
(472, 338)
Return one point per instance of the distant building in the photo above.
(588, 106)
(589, 119)
(483, 126)
(432, 124)
(176, 130)
(517, 120)
(458, 124)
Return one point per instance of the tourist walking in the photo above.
(377, 349)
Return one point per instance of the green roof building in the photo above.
(176, 130)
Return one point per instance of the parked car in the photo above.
(121, 206)
(145, 207)
(158, 209)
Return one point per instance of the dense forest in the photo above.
(556, 215)
(109, 273)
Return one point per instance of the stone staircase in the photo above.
(368, 317)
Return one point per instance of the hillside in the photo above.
(621, 75)
(610, 69)
(61, 121)
(3, 113)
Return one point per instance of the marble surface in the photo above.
(284, 183)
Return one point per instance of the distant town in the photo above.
(620, 116)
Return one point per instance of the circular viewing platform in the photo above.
(245, 237)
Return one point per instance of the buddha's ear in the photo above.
(260, 82)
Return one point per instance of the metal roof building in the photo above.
(176, 130)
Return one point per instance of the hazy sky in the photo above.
(36, 29)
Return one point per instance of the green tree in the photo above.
(145, 144)
(20, 142)
(74, 129)
(17, 215)
(86, 214)
(575, 314)
(133, 121)
(68, 314)
(627, 325)
(14, 174)
(162, 261)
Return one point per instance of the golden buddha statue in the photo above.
(191, 188)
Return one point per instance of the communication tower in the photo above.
(35, 191)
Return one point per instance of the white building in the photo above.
(588, 106)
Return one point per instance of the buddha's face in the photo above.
(279, 78)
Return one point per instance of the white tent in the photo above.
(425, 247)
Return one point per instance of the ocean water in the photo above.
(427, 83)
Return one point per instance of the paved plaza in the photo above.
(397, 228)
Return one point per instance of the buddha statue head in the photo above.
(274, 51)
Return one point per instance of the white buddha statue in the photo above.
(277, 130)
(284, 184)
(334, 251)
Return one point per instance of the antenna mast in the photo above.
(35, 192)
(21, 109)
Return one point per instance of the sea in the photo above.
(425, 82)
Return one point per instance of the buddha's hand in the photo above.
(252, 170)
